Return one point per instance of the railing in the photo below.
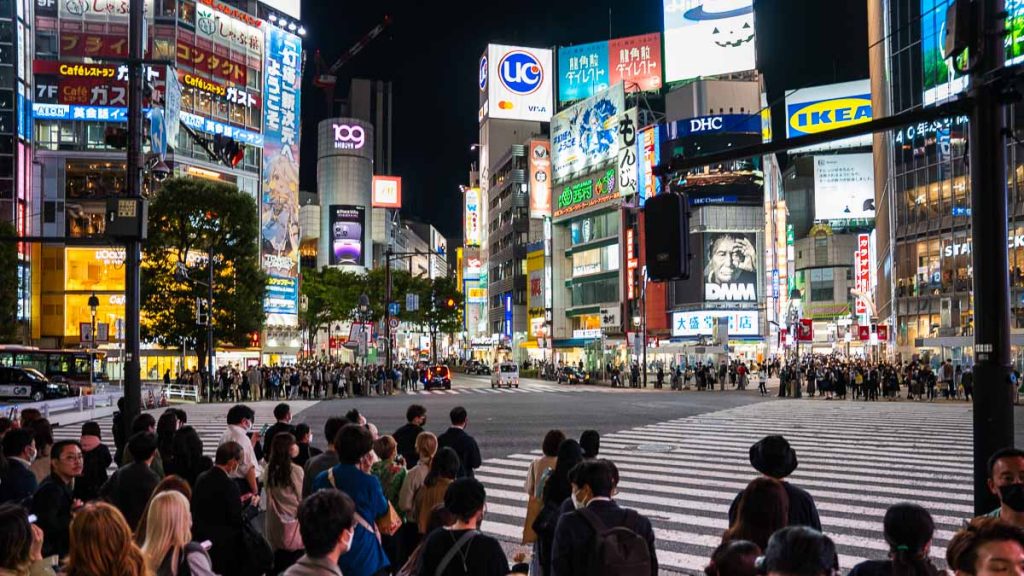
(181, 392)
(103, 396)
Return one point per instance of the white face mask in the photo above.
(33, 455)
(576, 502)
(347, 544)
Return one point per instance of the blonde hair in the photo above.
(426, 446)
(168, 529)
(101, 544)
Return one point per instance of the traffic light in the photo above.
(450, 303)
(254, 339)
(667, 237)
(227, 150)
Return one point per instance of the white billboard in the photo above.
(708, 38)
(586, 135)
(702, 323)
(519, 83)
(292, 8)
(844, 187)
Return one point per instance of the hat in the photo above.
(773, 456)
(464, 497)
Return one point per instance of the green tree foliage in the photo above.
(8, 285)
(187, 218)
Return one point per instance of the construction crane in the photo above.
(326, 77)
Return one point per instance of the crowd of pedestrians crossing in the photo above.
(408, 504)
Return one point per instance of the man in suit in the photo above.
(463, 444)
(415, 419)
(573, 550)
(131, 485)
(283, 417)
(54, 501)
(18, 482)
(217, 511)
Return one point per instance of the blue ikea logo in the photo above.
(824, 115)
(520, 72)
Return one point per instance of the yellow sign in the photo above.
(825, 115)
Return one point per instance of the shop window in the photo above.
(85, 219)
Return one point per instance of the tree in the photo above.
(331, 296)
(443, 313)
(8, 285)
(187, 219)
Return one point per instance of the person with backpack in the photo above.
(600, 538)
(461, 549)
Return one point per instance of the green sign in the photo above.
(586, 193)
(790, 235)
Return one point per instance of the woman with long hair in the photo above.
(101, 544)
(763, 509)
(187, 459)
(283, 482)
(21, 544)
(443, 470)
(555, 491)
(170, 483)
(908, 530)
(168, 547)
(538, 468)
(166, 426)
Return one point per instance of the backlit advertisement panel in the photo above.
(387, 192)
(649, 155)
(730, 267)
(280, 201)
(940, 78)
(582, 71)
(844, 187)
(535, 310)
(862, 272)
(627, 160)
(520, 83)
(586, 135)
(702, 323)
(214, 25)
(636, 62)
(474, 219)
(347, 225)
(582, 195)
(823, 108)
(540, 178)
(708, 38)
(110, 11)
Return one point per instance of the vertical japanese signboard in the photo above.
(649, 153)
(636, 61)
(627, 153)
(863, 272)
(280, 199)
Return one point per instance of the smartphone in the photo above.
(206, 544)
(263, 429)
(32, 518)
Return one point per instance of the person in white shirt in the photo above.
(240, 421)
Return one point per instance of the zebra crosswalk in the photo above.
(526, 388)
(855, 459)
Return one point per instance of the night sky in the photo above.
(432, 48)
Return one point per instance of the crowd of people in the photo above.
(408, 504)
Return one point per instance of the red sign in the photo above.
(864, 333)
(233, 12)
(862, 281)
(635, 60)
(209, 63)
(882, 331)
(93, 45)
(631, 265)
(805, 330)
(784, 337)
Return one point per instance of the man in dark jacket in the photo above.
(329, 458)
(217, 511)
(53, 501)
(131, 485)
(283, 417)
(463, 444)
(18, 482)
(775, 458)
(416, 419)
(573, 549)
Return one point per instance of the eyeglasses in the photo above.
(73, 458)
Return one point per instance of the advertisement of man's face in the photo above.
(730, 268)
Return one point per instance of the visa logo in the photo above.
(824, 115)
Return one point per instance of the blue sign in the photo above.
(74, 112)
(200, 124)
(394, 308)
(24, 118)
(508, 315)
(520, 72)
(582, 71)
(961, 212)
(705, 200)
(282, 295)
(721, 124)
(483, 73)
(157, 133)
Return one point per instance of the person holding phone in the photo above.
(21, 543)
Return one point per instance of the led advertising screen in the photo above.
(582, 71)
(474, 219)
(519, 83)
(387, 192)
(730, 267)
(844, 187)
(540, 178)
(940, 78)
(347, 226)
(708, 38)
(822, 108)
(587, 69)
(649, 154)
(733, 182)
(586, 135)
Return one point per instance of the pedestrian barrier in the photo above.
(62, 405)
(181, 392)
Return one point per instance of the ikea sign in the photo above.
(823, 108)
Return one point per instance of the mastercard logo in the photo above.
(505, 105)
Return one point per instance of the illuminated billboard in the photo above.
(844, 187)
(703, 322)
(474, 219)
(581, 196)
(347, 223)
(586, 69)
(540, 178)
(823, 108)
(387, 192)
(730, 267)
(586, 135)
(519, 83)
(582, 71)
(649, 155)
(708, 38)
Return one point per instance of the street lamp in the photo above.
(94, 303)
(364, 312)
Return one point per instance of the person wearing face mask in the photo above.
(240, 420)
(217, 511)
(354, 446)
(17, 481)
(600, 537)
(987, 546)
(283, 483)
(327, 525)
(461, 549)
(1006, 481)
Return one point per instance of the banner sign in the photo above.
(708, 38)
(627, 153)
(582, 71)
(862, 270)
(703, 322)
(844, 186)
(730, 267)
(586, 194)
(201, 124)
(540, 178)
(280, 201)
(212, 64)
(585, 135)
(474, 218)
(649, 156)
(587, 69)
(387, 192)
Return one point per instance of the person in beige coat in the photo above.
(283, 484)
(534, 486)
(426, 447)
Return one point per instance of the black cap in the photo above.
(465, 497)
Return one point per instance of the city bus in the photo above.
(81, 369)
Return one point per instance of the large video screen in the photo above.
(708, 38)
(347, 225)
(730, 267)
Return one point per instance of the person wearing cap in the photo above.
(775, 458)
(461, 549)
(799, 551)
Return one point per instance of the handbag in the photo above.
(259, 554)
(291, 538)
(389, 522)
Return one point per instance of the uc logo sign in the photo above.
(520, 72)
(483, 73)
(825, 115)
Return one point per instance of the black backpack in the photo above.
(617, 551)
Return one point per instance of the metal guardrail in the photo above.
(102, 397)
(181, 392)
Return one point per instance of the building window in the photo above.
(821, 251)
(822, 285)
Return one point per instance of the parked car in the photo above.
(505, 374)
(478, 367)
(436, 377)
(29, 385)
(571, 375)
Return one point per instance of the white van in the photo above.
(505, 374)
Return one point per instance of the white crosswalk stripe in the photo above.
(522, 389)
(855, 459)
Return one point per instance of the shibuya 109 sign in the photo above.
(348, 136)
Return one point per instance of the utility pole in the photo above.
(993, 402)
(132, 288)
